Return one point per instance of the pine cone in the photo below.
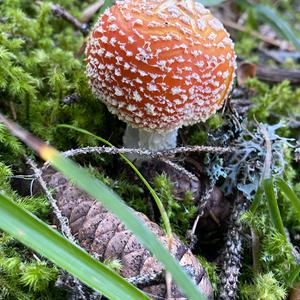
(103, 235)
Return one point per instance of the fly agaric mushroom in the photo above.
(159, 65)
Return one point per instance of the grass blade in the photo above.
(35, 234)
(293, 276)
(278, 23)
(273, 205)
(112, 202)
(256, 200)
(289, 194)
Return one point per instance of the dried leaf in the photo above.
(245, 71)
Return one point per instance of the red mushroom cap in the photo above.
(160, 64)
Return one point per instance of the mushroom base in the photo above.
(139, 138)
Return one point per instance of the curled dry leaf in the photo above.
(245, 71)
(103, 235)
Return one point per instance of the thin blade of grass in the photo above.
(256, 200)
(35, 234)
(112, 202)
(269, 15)
(294, 275)
(273, 205)
(289, 194)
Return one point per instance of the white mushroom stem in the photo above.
(139, 138)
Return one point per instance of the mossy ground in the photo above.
(39, 67)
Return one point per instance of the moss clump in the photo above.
(39, 67)
(265, 287)
(274, 262)
(181, 212)
(24, 275)
(211, 270)
(274, 103)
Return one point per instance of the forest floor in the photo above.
(229, 203)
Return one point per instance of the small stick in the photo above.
(63, 221)
(255, 250)
(152, 154)
(90, 11)
(180, 169)
(61, 12)
(277, 75)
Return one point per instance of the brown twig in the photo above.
(13, 109)
(61, 12)
(81, 50)
(152, 154)
(63, 221)
(90, 11)
(277, 75)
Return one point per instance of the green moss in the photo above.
(197, 136)
(276, 103)
(180, 212)
(275, 259)
(265, 287)
(211, 271)
(216, 121)
(245, 46)
(24, 275)
(38, 68)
